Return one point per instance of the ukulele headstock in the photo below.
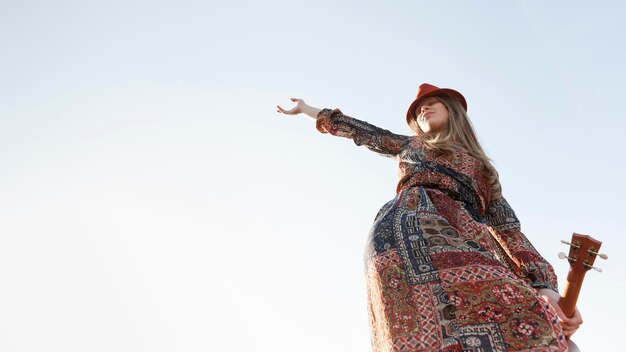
(582, 253)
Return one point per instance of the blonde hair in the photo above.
(458, 134)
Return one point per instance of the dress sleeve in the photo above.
(374, 138)
(524, 259)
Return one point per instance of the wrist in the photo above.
(311, 111)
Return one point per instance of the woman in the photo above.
(448, 268)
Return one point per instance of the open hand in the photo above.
(297, 110)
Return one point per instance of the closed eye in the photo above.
(427, 102)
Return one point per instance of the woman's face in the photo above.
(432, 115)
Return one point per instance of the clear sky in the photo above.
(151, 198)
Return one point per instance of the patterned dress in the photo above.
(447, 269)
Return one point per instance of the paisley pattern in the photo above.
(447, 268)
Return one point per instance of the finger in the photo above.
(571, 322)
(568, 328)
(290, 112)
(574, 320)
(569, 333)
(577, 318)
(284, 111)
(559, 312)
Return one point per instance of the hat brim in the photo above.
(410, 114)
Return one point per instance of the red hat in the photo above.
(426, 90)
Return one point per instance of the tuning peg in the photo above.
(593, 267)
(601, 255)
(563, 256)
(571, 244)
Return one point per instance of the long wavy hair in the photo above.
(458, 134)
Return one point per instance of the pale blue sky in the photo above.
(153, 199)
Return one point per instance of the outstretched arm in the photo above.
(333, 121)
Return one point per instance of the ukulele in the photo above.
(582, 253)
